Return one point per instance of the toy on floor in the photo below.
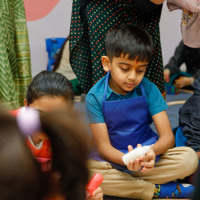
(172, 89)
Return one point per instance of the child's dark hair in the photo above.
(20, 174)
(49, 83)
(129, 40)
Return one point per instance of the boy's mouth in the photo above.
(130, 84)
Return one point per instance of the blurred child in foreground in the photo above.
(49, 91)
(20, 173)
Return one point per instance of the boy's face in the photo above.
(125, 74)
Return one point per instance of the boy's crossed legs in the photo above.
(175, 163)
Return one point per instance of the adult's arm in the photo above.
(148, 6)
(158, 2)
(176, 60)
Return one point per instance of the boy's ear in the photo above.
(106, 63)
(25, 103)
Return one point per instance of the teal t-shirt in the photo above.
(94, 99)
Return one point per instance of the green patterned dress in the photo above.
(89, 26)
(15, 70)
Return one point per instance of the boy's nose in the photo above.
(132, 75)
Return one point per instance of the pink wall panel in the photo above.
(37, 9)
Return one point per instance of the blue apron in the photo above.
(128, 121)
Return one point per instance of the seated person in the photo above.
(189, 56)
(62, 65)
(188, 132)
(120, 108)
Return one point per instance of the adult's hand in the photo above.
(167, 75)
(184, 81)
(158, 2)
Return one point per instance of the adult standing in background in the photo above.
(92, 19)
(15, 71)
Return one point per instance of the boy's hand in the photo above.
(145, 162)
(149, 161)
(136, 165)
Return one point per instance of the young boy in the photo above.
(120, 108)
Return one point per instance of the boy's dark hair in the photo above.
(49, 83)
(131, 40)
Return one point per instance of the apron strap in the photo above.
(106, 85)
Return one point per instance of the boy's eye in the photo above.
(140, 71)
(124, 69)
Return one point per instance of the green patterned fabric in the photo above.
(15, 69)
(89, 26)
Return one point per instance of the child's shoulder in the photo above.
(98, 88)
(147, 84)
(150, 89)
(95, 95)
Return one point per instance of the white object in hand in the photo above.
(132, 155)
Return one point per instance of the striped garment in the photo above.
(15, 68)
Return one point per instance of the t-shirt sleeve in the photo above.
(156, 102)
(94, 111)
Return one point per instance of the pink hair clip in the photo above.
(28, 121)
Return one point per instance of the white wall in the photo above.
(57, 24)
(170, 32)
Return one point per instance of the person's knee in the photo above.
(190, 160)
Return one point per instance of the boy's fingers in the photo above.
(130, 148)
(148, 164)
(139, 145)
(134, 166)
(146, 169)
(137, 165)
(149, 157)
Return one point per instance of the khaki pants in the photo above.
(175, 163)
